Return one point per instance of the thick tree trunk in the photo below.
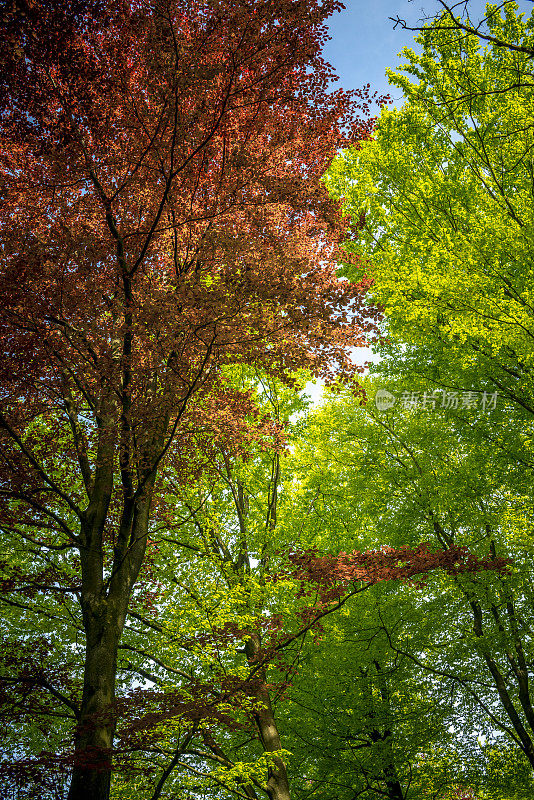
(277, 783)
(94, 737)
(104, 607)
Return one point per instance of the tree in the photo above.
(218, 632)
(358, 716)
(163, 220)
(442, 197)
(456, 18)
(445, 189)
(241, 625)
(238, 529)
(403, 475)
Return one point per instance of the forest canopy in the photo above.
(210, 586)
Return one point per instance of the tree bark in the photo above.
(277, 782)
(391, 778)
(91, 775)
(524, 739)
(104, 607)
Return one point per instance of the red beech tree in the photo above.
(163, 217)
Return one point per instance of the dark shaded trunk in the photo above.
(91, 775)
(500, 682)
(104, 607)
(385, 737)
(393, 786)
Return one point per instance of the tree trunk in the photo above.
(391, 778)
(91, 775)
(104, 607)
(393, 786)
(277, 783)
(525, 741)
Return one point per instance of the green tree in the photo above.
(358, 716)
(372, 478)
(443, 200)
(445, 188)
(457, 17)
(188, 688)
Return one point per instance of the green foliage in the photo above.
(446, 236)
(446, 187)
(369, 478)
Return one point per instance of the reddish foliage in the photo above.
(333, 575)
(184, 206)
(464, 794)
(163, 217)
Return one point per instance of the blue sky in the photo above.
(364, 44)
